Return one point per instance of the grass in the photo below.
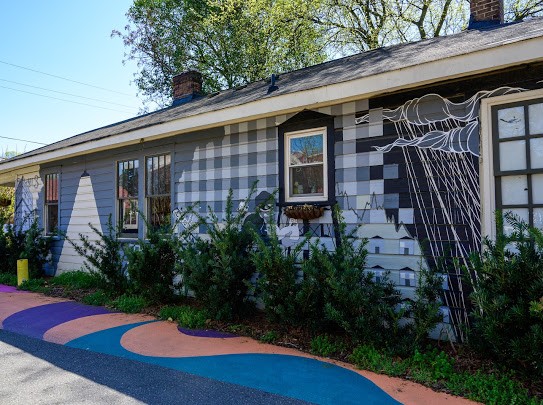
(185, 316)
(130, 304)
(8, 279)
(435, 368)
(269, 337)
(325, 346)
(76, 280)
(98, 298)
(34, 285)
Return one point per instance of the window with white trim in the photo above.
(517, 143)
(51, 203)
(127, 196)
(306, 165)
(157, 189)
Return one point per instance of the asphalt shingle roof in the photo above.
(357, 66)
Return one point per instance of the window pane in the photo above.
(536, 153)
(306, 149)
(514, 190)
(159, 211)
(511, 122)
(537, 188)
(538, 218)
(535, 112)
(306, 180)
(128, 212)
(158, 175)
(513, 155)
(127, 180)
(52, 217)
(522, 213)
(51, 188)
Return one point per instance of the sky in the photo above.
(70, 39)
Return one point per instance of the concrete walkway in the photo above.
(222, 357)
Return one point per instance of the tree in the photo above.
(234, 42)
(231, 42)
(517, 10)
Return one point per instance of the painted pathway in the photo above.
(223, 357)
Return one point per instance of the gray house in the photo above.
(420, 143)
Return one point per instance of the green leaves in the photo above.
(507, 283)
(230, 42)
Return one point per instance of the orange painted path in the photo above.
(162, 340)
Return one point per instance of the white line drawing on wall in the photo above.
(446, 158)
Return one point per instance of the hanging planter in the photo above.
(304, 212)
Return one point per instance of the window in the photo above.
(512, 158)
(51, 203)
(306, 165)
(127, 196)
(518, 159)
(157, 190)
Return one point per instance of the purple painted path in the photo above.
(36, 321)
(205, 333)
(10, 289)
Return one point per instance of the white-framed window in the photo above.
(306, 165)
(51, 202)
(512, 158)
(127, 196)
(158, 190)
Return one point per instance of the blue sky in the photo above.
(70, 39)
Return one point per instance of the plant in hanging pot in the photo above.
(304, 212)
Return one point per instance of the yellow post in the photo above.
(22, 271)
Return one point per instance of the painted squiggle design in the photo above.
(460, 120)
(457, 140)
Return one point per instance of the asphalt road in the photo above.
(33, 371)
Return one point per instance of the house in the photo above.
(419, 142)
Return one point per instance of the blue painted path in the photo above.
(296, 377)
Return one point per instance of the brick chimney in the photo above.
(186, 87)
(484, 13)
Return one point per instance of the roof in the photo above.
(335, 71)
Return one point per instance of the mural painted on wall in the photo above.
(24, 211)
(438, 140)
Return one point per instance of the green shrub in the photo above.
(18, 243)
(270, 336)
(185, 316)
(8, 279)
(506, 279)
(325, 346)
(76, 280)
(130, 304)
(218, 269)
(336, 292)
(423, 312)
(98, 298)
(34, 284)
(152, 265)
(103, 257)
(277, 268)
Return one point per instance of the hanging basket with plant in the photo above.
(304, 212)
